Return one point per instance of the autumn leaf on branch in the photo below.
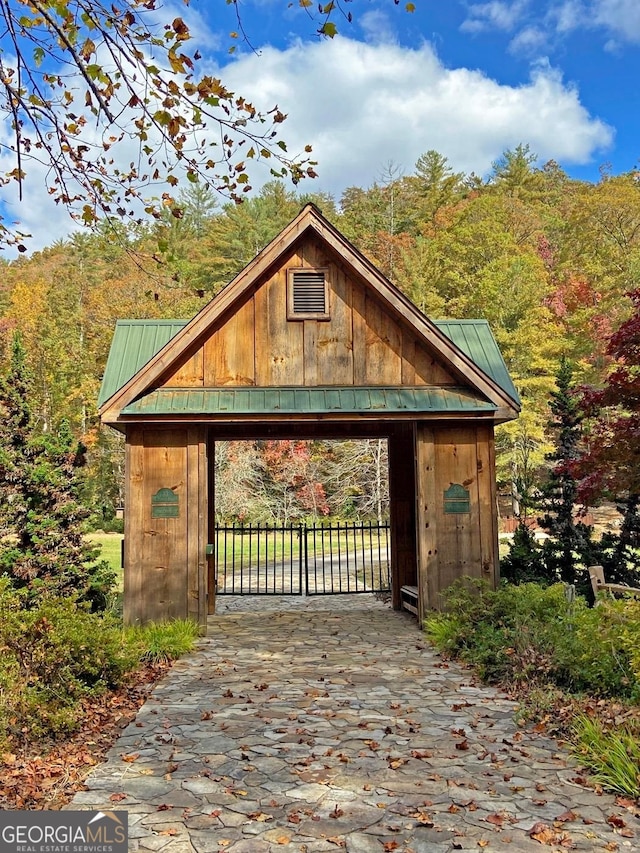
(109, 101)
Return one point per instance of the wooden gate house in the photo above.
(310, 340)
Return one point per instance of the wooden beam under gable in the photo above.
(309, 222)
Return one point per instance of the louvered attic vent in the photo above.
(308, 296)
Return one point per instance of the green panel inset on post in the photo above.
(164, 504)
(456, 499)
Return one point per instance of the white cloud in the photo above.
(377, 27)
(621, 17)
(530, 40)
(495, 15)
(361, 106)
(568, 16)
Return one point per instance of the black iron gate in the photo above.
(302, 559)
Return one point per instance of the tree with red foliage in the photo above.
(290, 481)
(610, 465)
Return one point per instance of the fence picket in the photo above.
(302, 559)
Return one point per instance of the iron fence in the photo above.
(302, 559)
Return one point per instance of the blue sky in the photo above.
(468, 79)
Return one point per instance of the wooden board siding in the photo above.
(427, 521)
(453, 545)
(487, 497)
(229, 354)
(361, 343)
(402, 483)
(164, 575)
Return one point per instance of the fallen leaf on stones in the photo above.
(540, 787)
(223, 842)
(260, 816)
(453, 808)
(394, 763)
(415, 753)
(546, 835)
(366, 787)
(283, 839)
(423, 818)
(483, 843)
(496, 819)
(337, 812)
(611, 845)
(566, 816)
(388, 846)
(579, 780)
(541, 832)
(133, 756)
(625, 802)
(294, 818)
(171, 830)
(463, 745)
(616, 821)
(172, 768)
(381, 805)
(163, 807)
(115, 798)
(627, 833)
(206, 715)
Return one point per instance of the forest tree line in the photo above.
(548, 260)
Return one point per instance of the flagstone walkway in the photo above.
(323, 724)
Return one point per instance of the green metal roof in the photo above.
(248, 400)
(475, 339)
(135, 342)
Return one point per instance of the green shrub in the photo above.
(538, 635)
(160, 642)
(612, 757)
(53, 653)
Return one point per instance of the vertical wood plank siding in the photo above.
(164, 569)
(361, 344)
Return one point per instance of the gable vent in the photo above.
(308, 295)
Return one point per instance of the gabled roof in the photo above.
(496, 389)
(135, 342)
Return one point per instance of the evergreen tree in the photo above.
(42, 546)
(570, 540)
(525, 561)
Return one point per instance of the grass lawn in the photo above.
(111, 550)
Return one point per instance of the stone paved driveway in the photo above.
(329, 724)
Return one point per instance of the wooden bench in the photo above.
(409, 599)
(598, 584)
